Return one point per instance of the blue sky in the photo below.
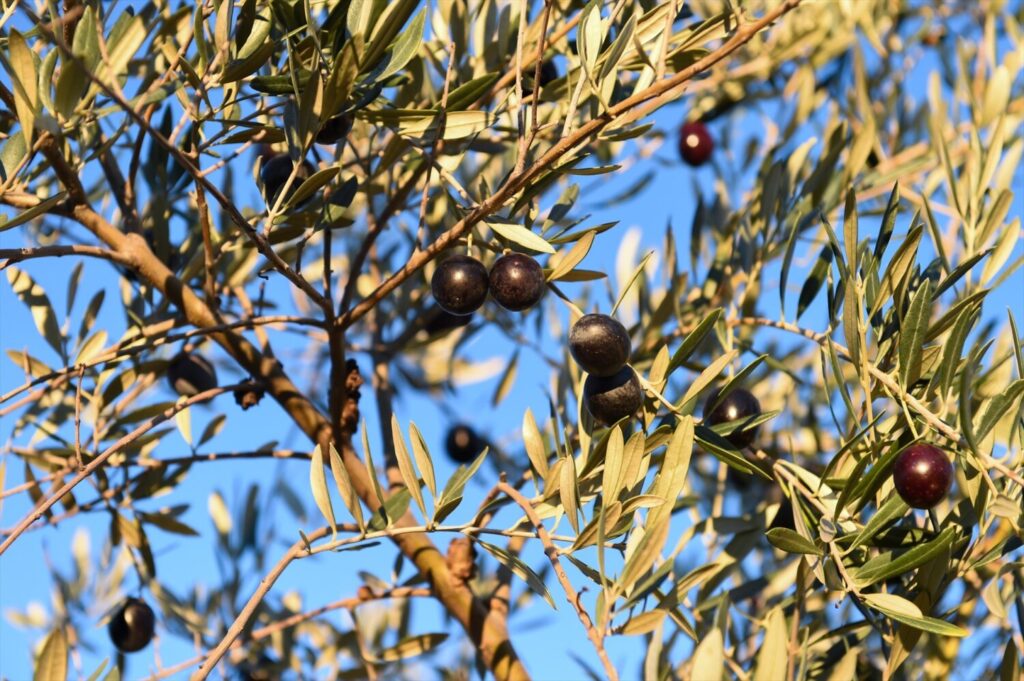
(186, 562)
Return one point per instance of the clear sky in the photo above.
(548, 639)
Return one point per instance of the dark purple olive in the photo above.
(517, 282)
(922, 474)
(739, 405)
(695, 143)
(599, 344)
(611, 398)
(190, 373)
(460, 285)
(131, 628)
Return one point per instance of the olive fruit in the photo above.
(738, 405)
(463, 444)
(548, 73)
(131, 627)
(784, 516)
(190, 373)
(334, 129)
(516, 282)
(695, 143)
(922, 475)
(276, 171)
(611, 398)
(439, 321)
(599, 344)
(460, 284)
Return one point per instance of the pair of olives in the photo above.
(461, 283)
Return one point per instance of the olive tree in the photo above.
(737, 436)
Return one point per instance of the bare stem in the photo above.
(570, 593)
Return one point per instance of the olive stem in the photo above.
(570, 593)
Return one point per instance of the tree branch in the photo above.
(570, 593)
(131, 437)
(516, 182)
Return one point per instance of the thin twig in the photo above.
(570, 593)
(93, 465)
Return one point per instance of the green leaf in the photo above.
(423, 461)
(893, 508)
(644, 623)
(913, 328)
(534, 443)
(393, 509)
(52, 664)
(344, 485)
(99, 670)
(405, 467)
(633, 279)
(520, 570)
(611, 480)
(773, 657)
(468, 93)
(520, 235)
(646, 553)
(451, 495)
(569, 492)
(406, 46)
(888, 564)
(41, 208)
(899, 268)
(815, 280)
(371, 470)
(590, 36)
(220, 514)
(693, 340)
(790, 541)
(996, 408)
(318, 483)
(425, 125)
(902, 610)
(709, 374)
(709, 657)
(25, 83)
(574, 257)
(33, 295)
(507, 380)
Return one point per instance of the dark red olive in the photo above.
(460, 284)
(548, 73)
(599, 344)
(463, 444)
(695, 143)
(190, 373)
(516, 282)
(611, 398)
(739, 405)
(439, 321)
(276, 171)
(922, 474)
(131, 628)
(335, 129)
